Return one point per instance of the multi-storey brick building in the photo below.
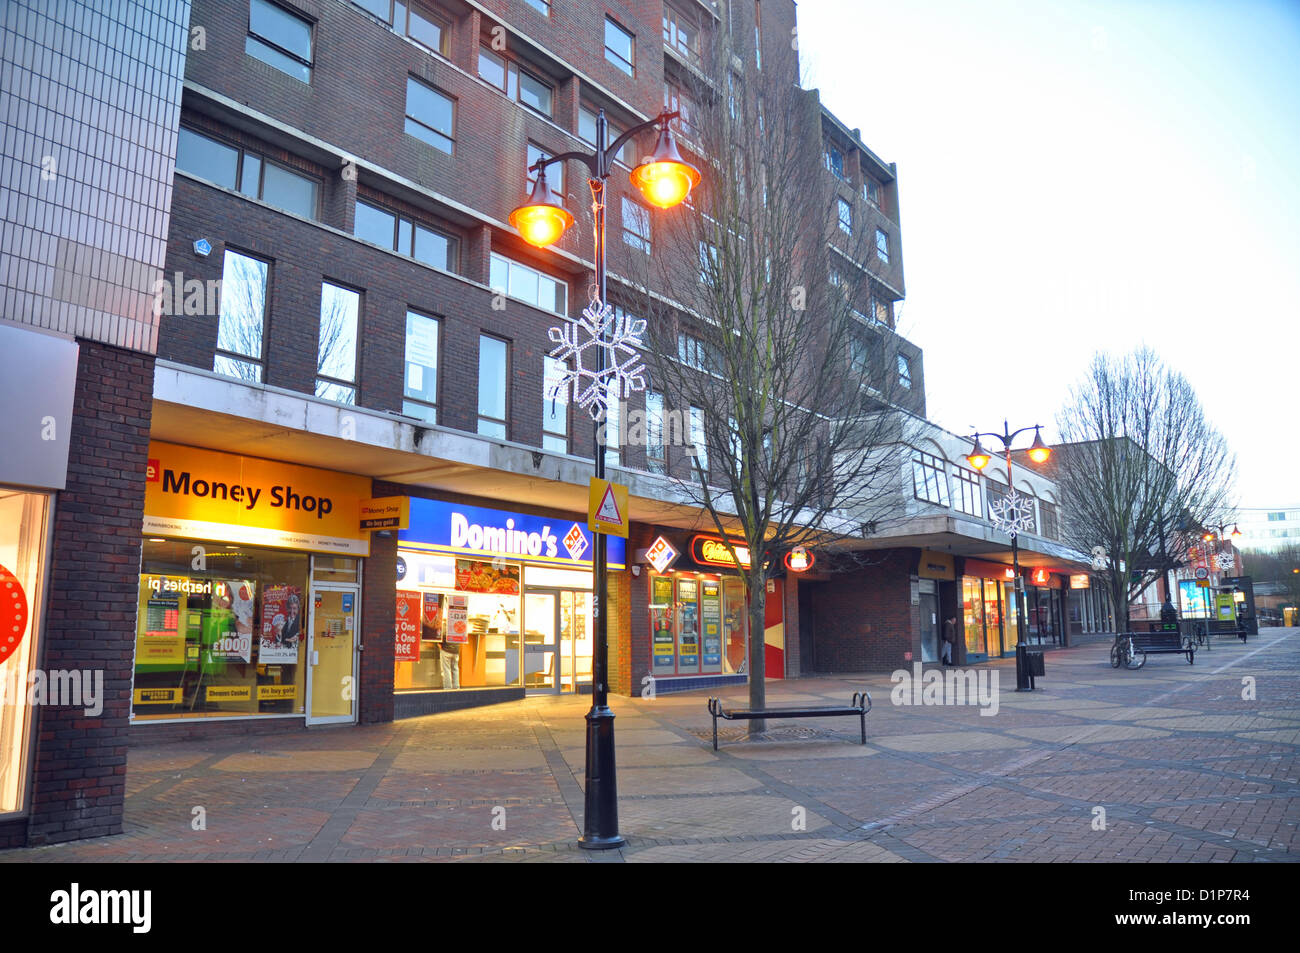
(339, 314)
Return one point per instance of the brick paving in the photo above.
(1184, 768)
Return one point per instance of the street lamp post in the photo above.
(1013, 523)
(665, 180)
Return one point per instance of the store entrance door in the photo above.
(331, 654)
(557, 640)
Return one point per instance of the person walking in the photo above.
(949, 638)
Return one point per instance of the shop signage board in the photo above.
(607, 508)
(799, 559)
(936, 565)
(1041, 577)
(205, 494)
(712, 551)
(385, 512)
(438, 526)
(1080, 580)
(661, 554)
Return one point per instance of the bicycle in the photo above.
(1123, 652)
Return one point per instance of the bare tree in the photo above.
(763, 348)
(1141, 471)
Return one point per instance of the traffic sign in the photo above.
(607, 508)
(1202, 573)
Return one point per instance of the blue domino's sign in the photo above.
(444, 527)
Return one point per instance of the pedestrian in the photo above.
(949, 638)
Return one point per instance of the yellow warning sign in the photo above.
(607, 508)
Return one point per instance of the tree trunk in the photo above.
(757, 655)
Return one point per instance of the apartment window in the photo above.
(420, 387)
(834, 160)
(242, 317)
(555, 407)
(554, 171)
(880, 308)
(968, 491)
(675, 100)
(618, 46)
(698, 442)
(691, 351)
(928, 480)
(279, 38)
(1277, 517)
(871, 190)
(587, 133)
(708, 262)
(636, 225)
(541, 6)
(1051, 519)
(515, 82)
(336, 358)
(529, 285)
(758, 34)
(425, 28)
(846, 217)
(681, 33)
(734, 446)
(246, 172)
(904, 372)
(404, 236)
(655, 456)
(882, 246)
(860, 353)
(837, 279)
(993, 491)
(613, 428)
(430, 115)
(493, 375)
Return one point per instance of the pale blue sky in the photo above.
(1076, 175)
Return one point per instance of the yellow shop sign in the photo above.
(275, 692)
(157, 696)
(206, 494)
(230, 693)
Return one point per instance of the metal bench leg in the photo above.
(715, 732)
(863, 718)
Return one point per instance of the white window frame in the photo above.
(616, 59)
(498, 259)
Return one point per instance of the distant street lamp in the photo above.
(1013, 517)
(665, 180)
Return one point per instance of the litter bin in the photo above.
(1034, 664)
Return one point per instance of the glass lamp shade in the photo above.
(978, 457)
(543, 221)
(1039, 451)
(667, 179)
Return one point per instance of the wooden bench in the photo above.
(1162, 643)
(859, 706)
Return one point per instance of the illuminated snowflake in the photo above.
(1013, 513)
(581, 340)
(1225, 561)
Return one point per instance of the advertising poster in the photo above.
(281, 624)
(473, 575)
(457, 620)
(406, 647)
(161, 641)
(228, 630)
(711, 621)
(661, 591)
(661, 635)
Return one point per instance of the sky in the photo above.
(1078, 176)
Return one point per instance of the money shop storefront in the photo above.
(250, 589)
(492, 602)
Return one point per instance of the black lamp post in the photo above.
(979, 459)
(665, 180)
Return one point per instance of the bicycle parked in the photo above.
(1124, 653)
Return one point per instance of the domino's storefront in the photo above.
(492, 605)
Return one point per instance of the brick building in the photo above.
(283, 287)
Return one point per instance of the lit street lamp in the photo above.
(1013, 519)
(665, 180)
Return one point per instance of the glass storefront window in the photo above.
(698, 624)
(221, 631)
(23, 534)
(973, 615)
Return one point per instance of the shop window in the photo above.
(247, 172)
(23, 533)
(698, 624)
(555, 407)
(636, 225)
(405, 236)
(529, 285)
(242, 317)
(430, 115)
(929, 481)
(336, 357)
(227, 640)
(493, 375)
(618, 46)
(420, 387)
(279, 38)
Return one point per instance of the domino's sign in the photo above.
(439, 526)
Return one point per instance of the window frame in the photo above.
(882, 245)
(354, 385)
(421, 402)
(845, 213)
(235, 357)
(933, 472)
(828, 150)
(560, 282)
(654, 434)
(612, 131)
(672, 19)
(904, 366)
(480, 417)
(394, 245)
(242, 156)
(550, 364)
(631, 237)
(530, 177)
(451, 100)
(626, 66)
(968, 485)
(512, 76)
(251, 37)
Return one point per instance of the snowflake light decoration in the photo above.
(581, 340)
(1225, 561)
(1013, 513)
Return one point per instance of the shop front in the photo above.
(494, 602)
(1043, 608)
(990, 623)
(250, 589)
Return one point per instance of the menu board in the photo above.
(711, 623)
(406, 645)
(457, 620)
(473, 575)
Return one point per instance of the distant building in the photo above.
(1268, 529)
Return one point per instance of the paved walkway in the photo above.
(1171, 758)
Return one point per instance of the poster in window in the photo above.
(281, 624)
(161, 641)
(661, 634)
(406, 645)
(473, 575)
(711, 622)
(661, 590)
(228, 634)
(457, 620)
